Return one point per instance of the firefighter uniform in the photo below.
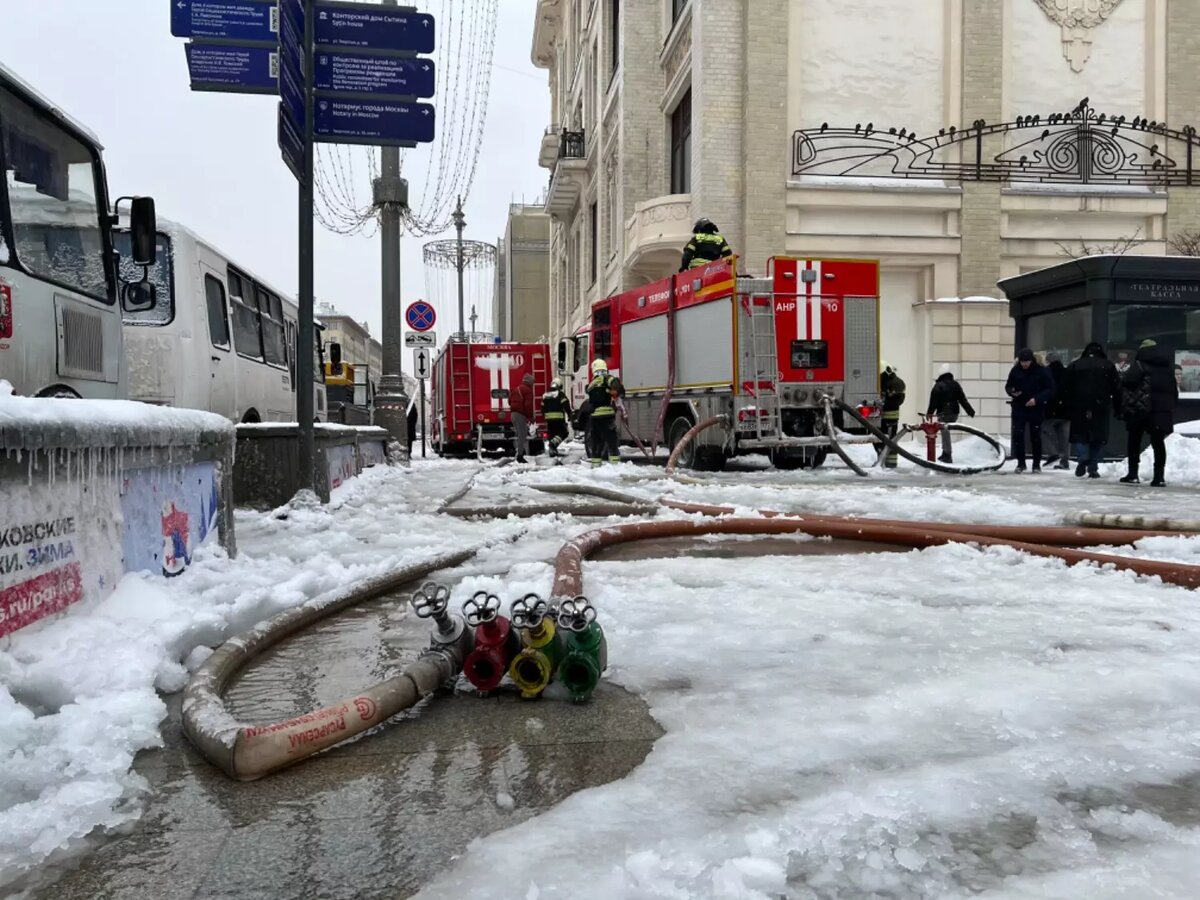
(707, 245)
(557, 409)
(602, 393)
(891, 387)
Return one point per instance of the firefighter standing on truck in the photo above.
(891, 388)
(557, 409)
(707, 245)
(602, 393)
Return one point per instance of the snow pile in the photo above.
(943, 723)
(6, 389)
(1183, 462)
(110, 422)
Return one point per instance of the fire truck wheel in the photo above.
(710, 459)
(791, 460)
(680, 426)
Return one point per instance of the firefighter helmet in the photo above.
(704, 226)
(599, 366)
(556, 384)
(885, 366)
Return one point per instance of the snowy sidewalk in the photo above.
(933, 723)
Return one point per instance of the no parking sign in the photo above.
(420, 316)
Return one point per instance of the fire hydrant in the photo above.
(932, 428)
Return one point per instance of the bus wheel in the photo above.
(59, 390)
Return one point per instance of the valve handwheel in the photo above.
(481, 608)
(576, 614)
(528, 612)
(430, 600)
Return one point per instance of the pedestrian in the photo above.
(603, 392)
(707, 245)
(1093, 391)
(556, 407)
(1056, 429)
(947, 400)
(1148, 397)
(521, 404)
(1031, 388)
(412, 425)
(892, 390)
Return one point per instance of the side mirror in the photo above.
(143, 231)
(139, 296)
(335, 357)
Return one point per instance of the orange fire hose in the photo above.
(688, 437)
(568, 565)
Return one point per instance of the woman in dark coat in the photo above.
(1091, 390)
(1152, 372)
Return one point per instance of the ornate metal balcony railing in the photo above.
(1080, 147)
(572, 145)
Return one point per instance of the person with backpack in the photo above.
(891, 390)
(946, 399)
(1148, 398)
(1031, 387)
(1092, 390)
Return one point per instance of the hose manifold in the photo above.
(576, 614)
(430, 601)
(529, 612)
(481, 609)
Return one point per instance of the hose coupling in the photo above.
(542, 646)
(586, 649)
(496, 642)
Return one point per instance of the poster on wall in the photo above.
(59, 546)
(1187, 371)
(342, 465)
(168, 512)
(373, 453)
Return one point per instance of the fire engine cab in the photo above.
(472, 379)
(772, 355)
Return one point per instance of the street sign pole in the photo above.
(422, 418)
(306, 340)
(391, 196)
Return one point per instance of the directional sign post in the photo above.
(373, 74)
(230, 20)
(420, 316)
(369, 26)
(233, 69)
(375, 122)
(420, 339)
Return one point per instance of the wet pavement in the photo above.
(376, 817)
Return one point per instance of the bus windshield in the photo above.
(161, 275)
(52, 210)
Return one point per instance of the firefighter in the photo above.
(707, 245)
(557, 408)
(602, 392)
(891, 388)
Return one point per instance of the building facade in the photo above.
(358, 347)
(788, 122)
(521, 308)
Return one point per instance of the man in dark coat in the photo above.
(1148, 397)
(1091, 395)
(1056, 428)
(891, 389)
(1031, 388)
(412, 425)
(946, 399)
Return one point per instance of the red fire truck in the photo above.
(470, 386)
(762, 351)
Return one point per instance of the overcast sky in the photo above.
(211, 161)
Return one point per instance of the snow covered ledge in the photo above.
(92, 489)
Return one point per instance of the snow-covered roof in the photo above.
(8, 76)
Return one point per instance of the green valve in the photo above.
(586, 648)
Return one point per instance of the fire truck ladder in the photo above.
(764, 356)
(459, 401)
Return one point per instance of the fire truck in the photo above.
(470, 386)
(763, 352)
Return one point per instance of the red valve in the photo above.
(932, 428)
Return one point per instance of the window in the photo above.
(593, 221)
(271, 315)
(218, 318)
(602, 331)
(247, 333)
(1173, 327)
(54, 216)
(1066, 332)
(677, 7)
(681, 146)
(614, 36)
(160, 275)
(291, 348)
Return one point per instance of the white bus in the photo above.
(60, 325)
(218, 337)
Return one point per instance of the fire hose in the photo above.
(689, 436)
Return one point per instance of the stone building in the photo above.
(521, 307)
(746, 112)
(358, 346)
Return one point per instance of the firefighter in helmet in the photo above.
(603, 392)
(707, 245)
(891, 388)
(556, 407)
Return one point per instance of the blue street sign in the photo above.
(233, 69)
(369, 26)
(374, 74)
(291, 92)
(375, 122)
(291, 145)
(237, 20)
(420, 316)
